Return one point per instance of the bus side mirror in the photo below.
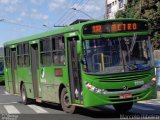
(83, 61)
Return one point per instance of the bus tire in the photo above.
(123, 107)
(24, 98)
(65, 104)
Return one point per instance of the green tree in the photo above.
(144, 9)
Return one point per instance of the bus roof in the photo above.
(75, 27)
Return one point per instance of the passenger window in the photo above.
(20, 55)
(26, 54)
(58, 51)
(7, 57)
(45, 48)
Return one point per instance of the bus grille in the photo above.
(122, 78)
(116, 90)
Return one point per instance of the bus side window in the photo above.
(7, 57)
(58, 51)
(45, 49)
(19, 55)
(26, 54)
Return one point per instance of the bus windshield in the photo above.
(116, 55)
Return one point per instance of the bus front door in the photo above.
(74, 70)
(13, 68)
(34, 68)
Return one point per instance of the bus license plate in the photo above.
(125, 96)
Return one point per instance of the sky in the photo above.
(20, 18)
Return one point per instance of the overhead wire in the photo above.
(75, 12)
(71, 16)
(66, 13)
(69, 13)
(15, 23)
(79, 9)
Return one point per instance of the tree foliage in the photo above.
(144, 9)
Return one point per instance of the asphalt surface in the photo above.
(11, 108)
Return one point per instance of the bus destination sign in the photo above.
(114, 27)
(124, 27)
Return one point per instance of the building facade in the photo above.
(112, 6)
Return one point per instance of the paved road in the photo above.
(11, 107)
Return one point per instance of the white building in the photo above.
(112, 6)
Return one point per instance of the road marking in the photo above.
(141, 101)
(37, 109)
(109, 107)
(6, 93)
(152, 102)
(11, 109)
(142, 108)
(8, 103)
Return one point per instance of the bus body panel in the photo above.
(25, 77)
(117, 86)
(2, 78)
(8, 80)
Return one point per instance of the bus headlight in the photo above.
(94, 89)
(153, 81)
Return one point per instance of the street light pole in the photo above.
(82, 12)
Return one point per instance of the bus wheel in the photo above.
(123, 107)
(25, 100)
(65, 104)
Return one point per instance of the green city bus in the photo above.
(86, 64)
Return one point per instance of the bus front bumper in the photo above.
(92, 99)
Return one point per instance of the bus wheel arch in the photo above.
(23, 91)
(63, 97)
(60, 90)
(21, 83)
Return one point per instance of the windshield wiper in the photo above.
(131, 66)
(129, 51)
(122, 56)
(133, 43)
